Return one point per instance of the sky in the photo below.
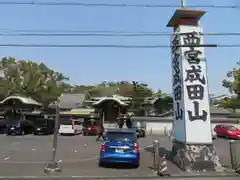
(95, 65)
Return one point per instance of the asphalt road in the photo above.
(77, 155)
(92, 178)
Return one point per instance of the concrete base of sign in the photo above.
(196, 157)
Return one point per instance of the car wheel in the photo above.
(228, 137)
(100, 164)
(84, 134)
(22, 132)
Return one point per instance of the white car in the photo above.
(214, 134)
(70, 126)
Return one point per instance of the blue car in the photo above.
(120, 146)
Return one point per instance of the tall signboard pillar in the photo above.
(192, 146)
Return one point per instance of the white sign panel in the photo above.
(195, 86)
(179, 127)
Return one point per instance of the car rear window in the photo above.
(13, 122)
(121, 136)
(138, 124)
(41, 122)
(66, 122)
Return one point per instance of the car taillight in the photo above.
(136, 148)
(103, 148)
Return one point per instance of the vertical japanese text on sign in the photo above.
(194, 75)
(177, 81)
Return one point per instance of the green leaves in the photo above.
(233, 84)
(28, 78)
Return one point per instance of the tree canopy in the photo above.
(27, 78)
(45, 85)
(232, 83)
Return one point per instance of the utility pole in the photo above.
(53, 166)
(183, 3)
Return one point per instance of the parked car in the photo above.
(90, 127)
(120, 146)
(70, 126)
(19, 127)
(44, 126)
(140, 128)
(214, 134)
(227, 131)
(2, 124)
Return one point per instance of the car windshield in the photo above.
(121, 136)
(231, 128)
(87, 123)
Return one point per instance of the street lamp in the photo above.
(53, 166)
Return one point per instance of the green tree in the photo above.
(231, 103)
(163, 103)
(140, 92)
(30, 79)
(111, 88)
(232, 82)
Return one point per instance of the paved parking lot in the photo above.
(78, 156)
(221, 145)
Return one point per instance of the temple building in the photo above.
(109, 108)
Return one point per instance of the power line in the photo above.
(107, 46)
(96, 32)
(85, 34)
(73, 31)
(36, 3)
(113, 34)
